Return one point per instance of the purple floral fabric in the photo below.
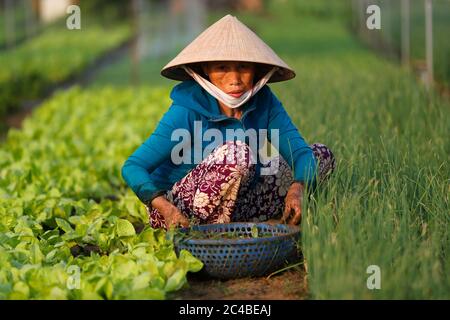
(325, 158)
(219, 189)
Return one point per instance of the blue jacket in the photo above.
(149, 171)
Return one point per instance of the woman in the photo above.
(224, 72)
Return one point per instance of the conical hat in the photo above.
(227, 40)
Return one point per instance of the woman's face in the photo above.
(232, 77)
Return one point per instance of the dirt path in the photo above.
(288, 285)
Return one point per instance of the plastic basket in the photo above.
(242, 257)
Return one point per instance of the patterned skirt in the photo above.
(219, 189)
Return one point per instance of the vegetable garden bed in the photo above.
(50, 58)
(53, 233)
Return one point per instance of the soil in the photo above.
(287, 285)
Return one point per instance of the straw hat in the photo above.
(227, 40)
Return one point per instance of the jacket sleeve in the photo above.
(291, 145)
(152, 153)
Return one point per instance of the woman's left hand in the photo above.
(293, 204)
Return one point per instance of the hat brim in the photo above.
(227, 40)
(178, 73)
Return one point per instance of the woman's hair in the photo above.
(197, 67)
(260, 70)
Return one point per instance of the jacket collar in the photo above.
(249, 106)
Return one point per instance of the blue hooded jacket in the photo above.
(150, 171)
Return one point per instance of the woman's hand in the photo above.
(293, 204)
(172, 215)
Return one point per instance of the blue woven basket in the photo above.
(242, 257)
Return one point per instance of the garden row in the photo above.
(68, 227)
(56, 55)
(387, 203)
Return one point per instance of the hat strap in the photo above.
(225, 98)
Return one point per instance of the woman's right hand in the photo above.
(172, 215)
